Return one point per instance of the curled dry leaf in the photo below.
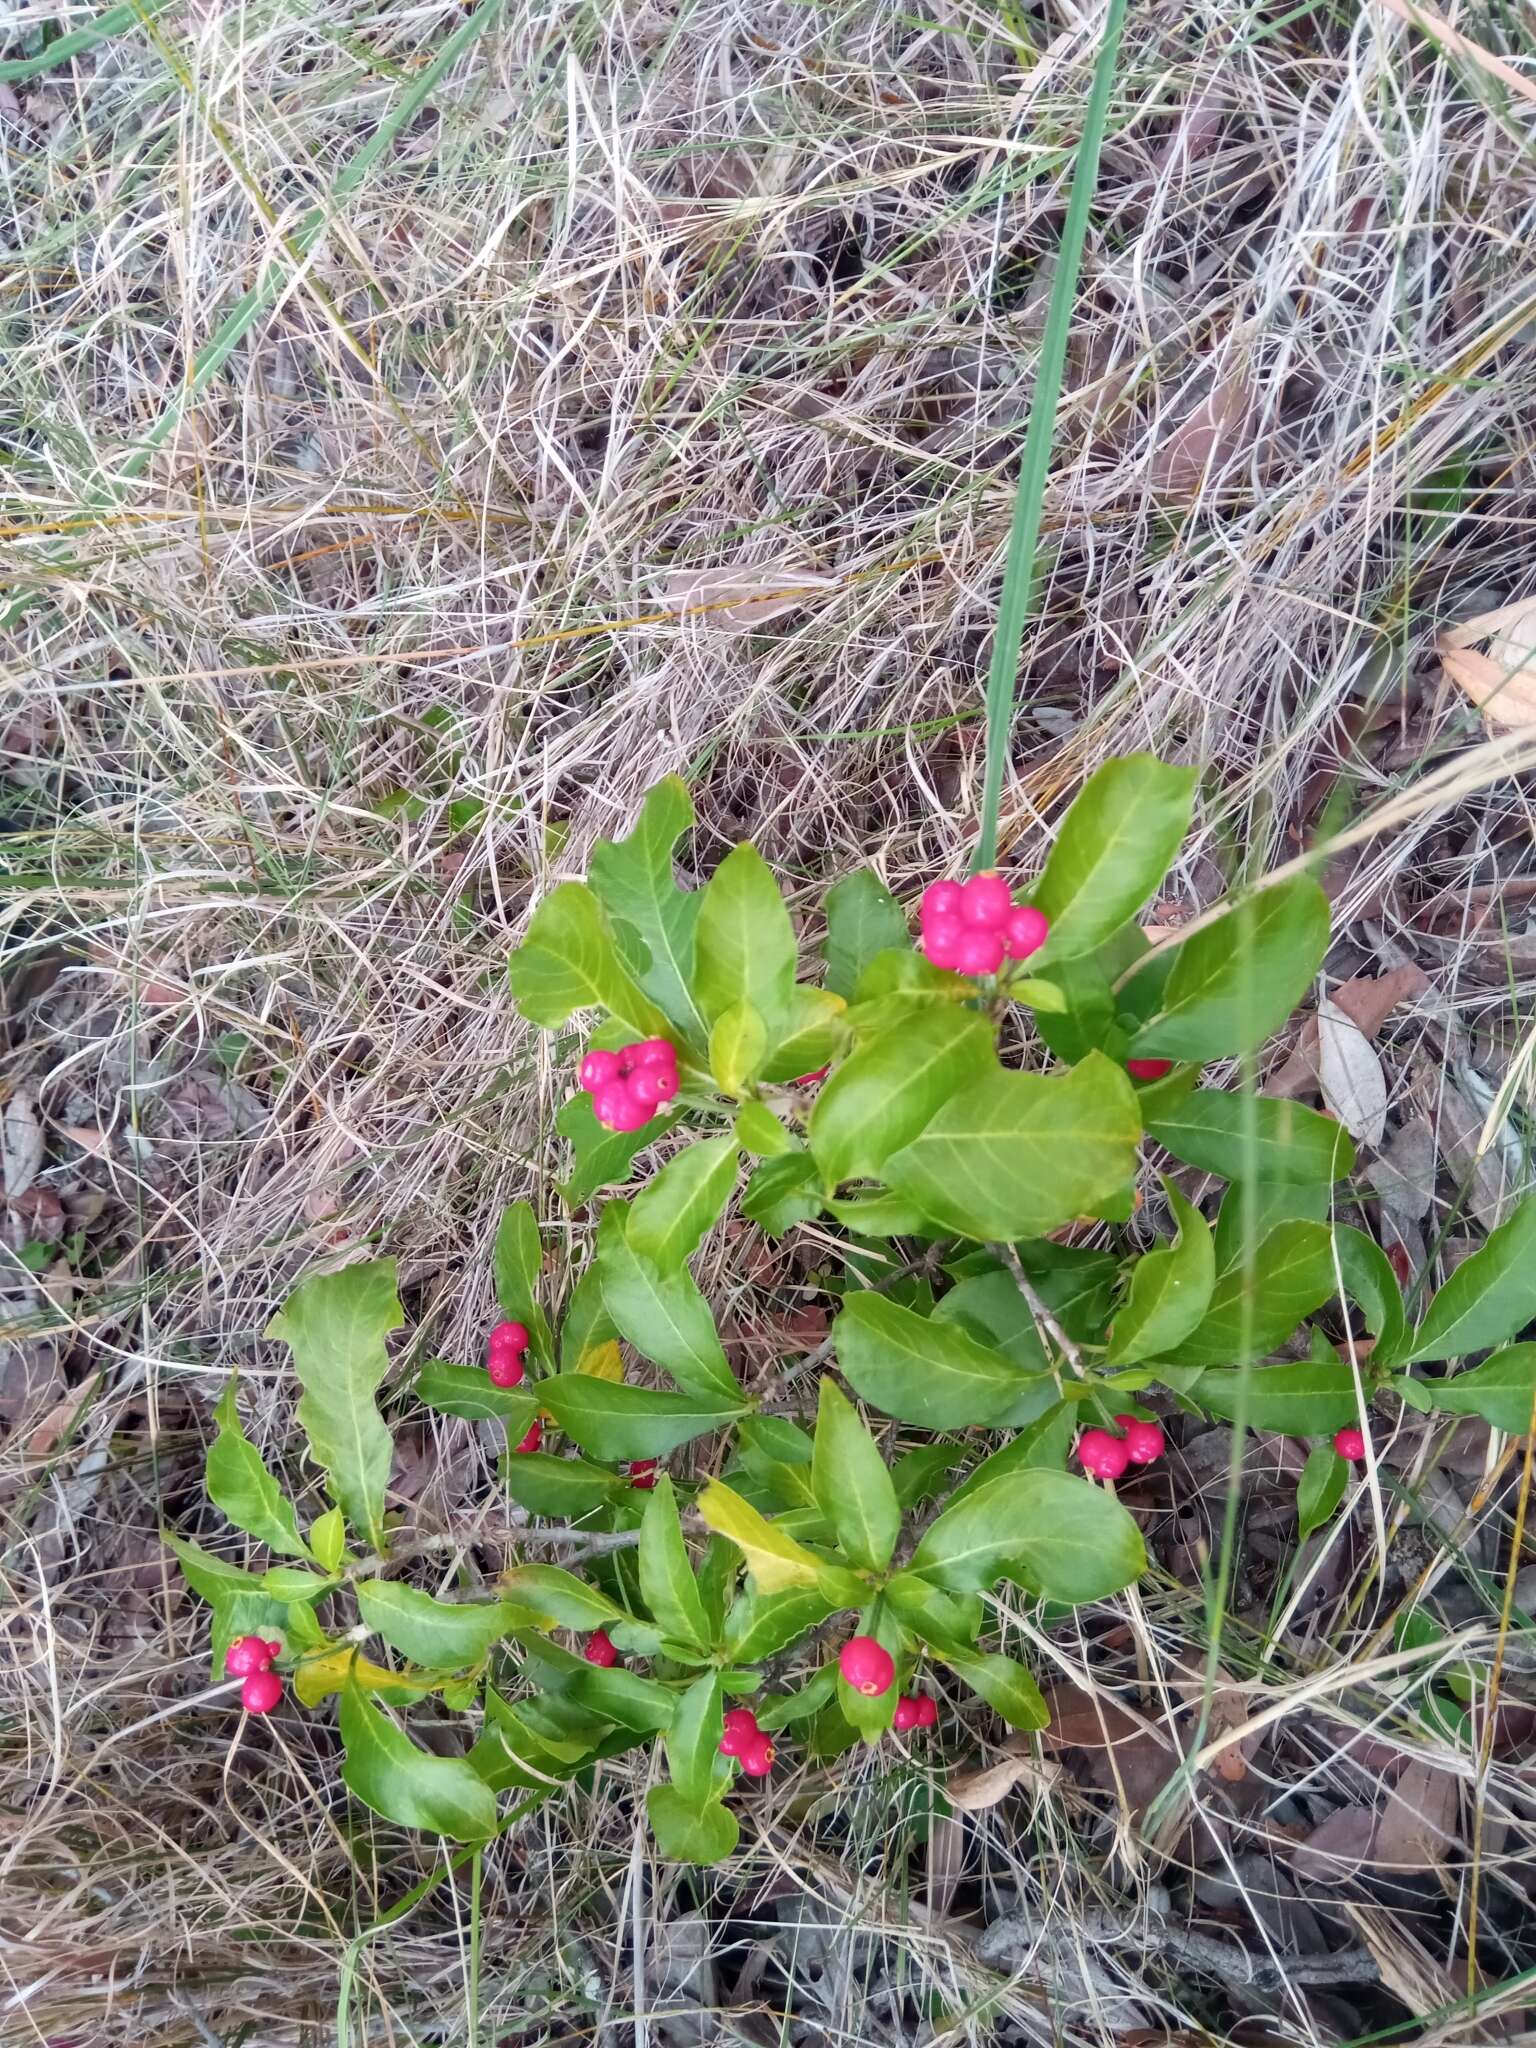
(1501, 681)
(973, 1791)
(741, 600)
(1208, 437)
(1354, 1087)
(1418, 1821)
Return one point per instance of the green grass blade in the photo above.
(116, 20)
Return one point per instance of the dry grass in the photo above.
(638, 292)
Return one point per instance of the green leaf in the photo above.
(883, 1095)
(1082, 1020)
(852, 1484)
(992, 1308)
(612, 1420)
(384, 1769)
(738, 1045)
(746, 944)
(623, 1696)
(511, 1752)
(1076, 1285)
(1170, 1290)
(690, 1834)
(1114, 847)
(759, 1131)
(693, 1742)
(815, 1032)
(560, 1488)
(1016, 1155)
(920, 1474)
(1007, 1688)
(1251, 1210)
(519, 1264)
(1072, 1541)
(442, 1636)
(775, 1560)
(601, 1158)
(1501, 1389)
(667, 1583)
(879, 1215)
(241, 1487)
(863, 919)
(926, 1372)
(1310, 1398)
(212, 1578)
(560, 1598)
(570, 961)
(937, 1617)
(1255, 1308)
(761, 1624)
(782, 1193)
(466, 1391)
(1370, 1282)
(586, 1324)
(901, 971)
(1233, 983)
(335, 1325)
(1283, 1141)
(1320, 1488)
(291, 1584)
(634, 880)
(668, 1219)
(328, 1540)
(1489, 1297)
(663, 1315)
(1041, 1446)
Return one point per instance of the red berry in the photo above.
(653, 1052)
(274, 1647)
(985, 902)
(247, 1655)
(616, 1108)
(1148, 1070)
(533, 1439)
(927, 1712)
(1350, 1443)
(261, 1692)
(652, 1085)
(509, 1337)
(599, 1649)
(981, 952)
(642, 1473)
(867, 1666)
(1026, 931)
(941, 899)
(1105, 1456)
(740, 1729)
(805, 1080)
(598, 1068)
(943, 938)
(757, 1757)
(907, 1713)
(505, 1369)
(1144, 1441)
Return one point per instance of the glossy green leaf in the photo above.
(863, 920)
(992, 1307)
(1170, 1289)
(902, 972)
(1075, 1284)
(932, 1614)
(852, 1485)
(884, 1094)
(693, 1742)
(585, 1325)
(466, 1391)
(440, 1634)
(623, 1696)
(212, 1578)
(561, 1489)
(328, 1540)
(560, 1598)
(883, 1215)
(634, 879)
(782, 1193)
(1489, 1297)
(663, 1315)
(241, 1487)
(1040, 1446)
(1313, 1397)
(570, 961)
(738, 1046)
(290, 1583)
(1251, 1210)
(335, 1325)
(920, 1474)
(611, 1420)
(600, 1158)
(686, 1833)
(510, 1751)
(1082, 1019)
(816, 1032)
(1071, 1540)
(1005, 1685)
(1234, 982)
(670, 1216)
(761, 1624)
(1283, 1141)
(759, 1131)
(667, 1584)
(1255, 1308)
(745, 950)
(928, 1373)
(1501, 1390)
(1320, 1488)
(440, 1795)
(1016, 1155)
(1113, 849)
(1371, 1284)
(519, 1266)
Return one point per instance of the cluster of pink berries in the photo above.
(628, 1087)
(1106, 1455)
(250, 1658)
(504, 1359)
(974, 926)
(751, 1746)
(1350, 1444)
(870, 1669)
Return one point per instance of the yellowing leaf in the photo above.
(602, 1361)
(775, 1560)
(316, 1678)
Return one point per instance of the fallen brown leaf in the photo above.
(973, 1791)
(1502, 681)
(1418, 1821)
(740, 600)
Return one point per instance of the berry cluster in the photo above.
(751, 1746)
(628, 1087)
(504, 1360)
(915, 1710)
(250, 1658)
(1350, 1444)
(974, 926)
(1106, 1455)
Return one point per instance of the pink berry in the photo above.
(1350, 1443)
(599, 1649)
(806, 1080)
(740, 1729)
(943, 938)
(505, 1369)
(261, 1692)
(981, 952)
(652, 1052)
(927, 1712)
(1148, 1070)
(597, 1068)
(509, 1337)
(533, 1439)
(642, 1473)
(867, 1666)
(757, 1757)
(985, 903)
(906, 1714)
(617, 1110)
(246, 1656)
(650, 1086)
(941, 899)
(1026, 931)
(1144, 1441)
(1105, 1456)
